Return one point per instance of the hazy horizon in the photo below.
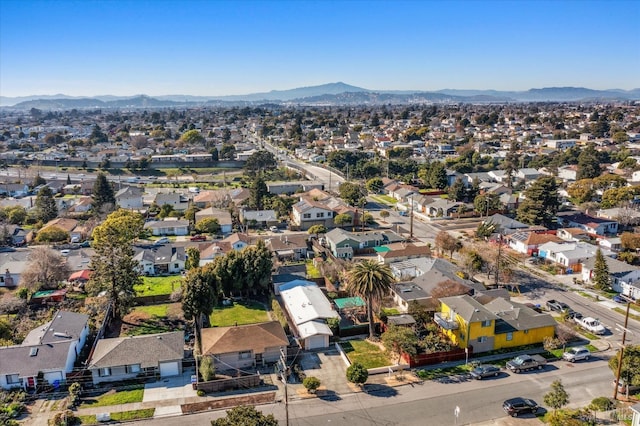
(222, 48)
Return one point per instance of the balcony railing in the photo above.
(444, 321)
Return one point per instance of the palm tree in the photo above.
(371, 281)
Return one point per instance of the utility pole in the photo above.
(411, 221)
(285, 372)
(498, 259)
(624, 337)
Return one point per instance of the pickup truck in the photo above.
(555, 305)
(592, 325)
(526, 362)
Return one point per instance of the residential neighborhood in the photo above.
(220, 260)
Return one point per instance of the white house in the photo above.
(308, 309)
(593, 225)
(570, 254)
(169, 226)
(625, 278)
(129, 197)
(528, 242)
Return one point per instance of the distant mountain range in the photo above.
(325, 94)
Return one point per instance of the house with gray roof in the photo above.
(50, 349)
(128, 357)
(625, 278)
(169, 226)
(157, 260)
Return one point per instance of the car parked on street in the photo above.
(576, 354)
(516, 406)
(556, 305)
(619, 299)
(274, 228)
(163, 240)
(485, 370)
(199, 238)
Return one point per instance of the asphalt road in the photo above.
(434, 403)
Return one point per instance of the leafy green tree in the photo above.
(191, 137)
(229, 270)
(257, 193)
(601, 278)
(311, 384)
(342, 219)
(16, 215)
(356, 373)
(485, 229)
(193, 258)
(483, 204)
(52, 234)
(165, 211)
(227, 151)
(617, 196)
(317, 229)
(541, 203)
(257, 263)
(114, 268)
(199, 295)
(103, 195)
(259, 162)
(588, 163)
(371, 281)
(207, 369)
(557, 397)
(208, 225)
(457, 191)
(190, 213)
(97, 136)
(352, 193)
(437, 176)
(582, 190)
(245, 415)
(45, 205)
(401, 340)
(384, 214)
(630, 372)
(374, 185)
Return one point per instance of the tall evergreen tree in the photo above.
(257, 193)
(510, 164)
(437, 176)
(457, 191)
(103, 195)
(46, 208)
(588, 163)
(541, 203)
(199, 295)
(601, 277)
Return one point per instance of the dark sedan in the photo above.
(516, 406)
(485, 370)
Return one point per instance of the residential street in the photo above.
(433, 403)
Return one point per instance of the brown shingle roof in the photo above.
(254, 337)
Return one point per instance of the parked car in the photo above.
(199, 238)
(274, 229)
(163, 240)
(516, 406)
(619, 299)
(576, 354)
(526, 362)
(592, 325)
(556, 305)
(485, 370)
(403, 213)
(622, 387)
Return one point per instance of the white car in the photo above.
(274, 229)
(576, 354)
(163, 240)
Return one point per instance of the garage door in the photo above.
(169, 369)
(317, 342)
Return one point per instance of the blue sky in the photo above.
(85, 48)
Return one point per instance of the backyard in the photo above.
(239, 313)
(155, 286)
(153, 319)
(366, 353)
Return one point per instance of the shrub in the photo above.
(311, 384)
(63, 419)
(201, 392)
(74, 395)
(356, 373)
(602, 403)
(207, 369)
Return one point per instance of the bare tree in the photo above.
(46, 269)
(446, 289)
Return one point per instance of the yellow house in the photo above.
(497, 324)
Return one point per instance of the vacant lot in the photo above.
(153, 319)
(113, 397)
(238, 314)
(155, 286)
(367, 354)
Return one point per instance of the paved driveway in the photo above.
(170, 388)
(329, 367)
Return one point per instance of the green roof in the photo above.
(349, 302)
(381, 249)
(43, 293)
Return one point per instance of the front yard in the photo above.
(112, 397)
(367, 354)
(239, 313)
(155, 286)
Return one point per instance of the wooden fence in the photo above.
(221, 385)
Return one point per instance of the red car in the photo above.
(199, 238)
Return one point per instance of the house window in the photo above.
(319, 214)
(509, 336)
(133, 368)
(245, 355)
(176, 266)
(12, 379)
(486, 323)
(526, 332)
(307, 215)
(104, 372)
(482, 339)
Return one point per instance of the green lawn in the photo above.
(436, 373)
(145, 413)
(391, 311)
(385, 199)
(245, 313)
(152, 319)
(154, 310)
(155, 286)
(115, 398)
(367, 354)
